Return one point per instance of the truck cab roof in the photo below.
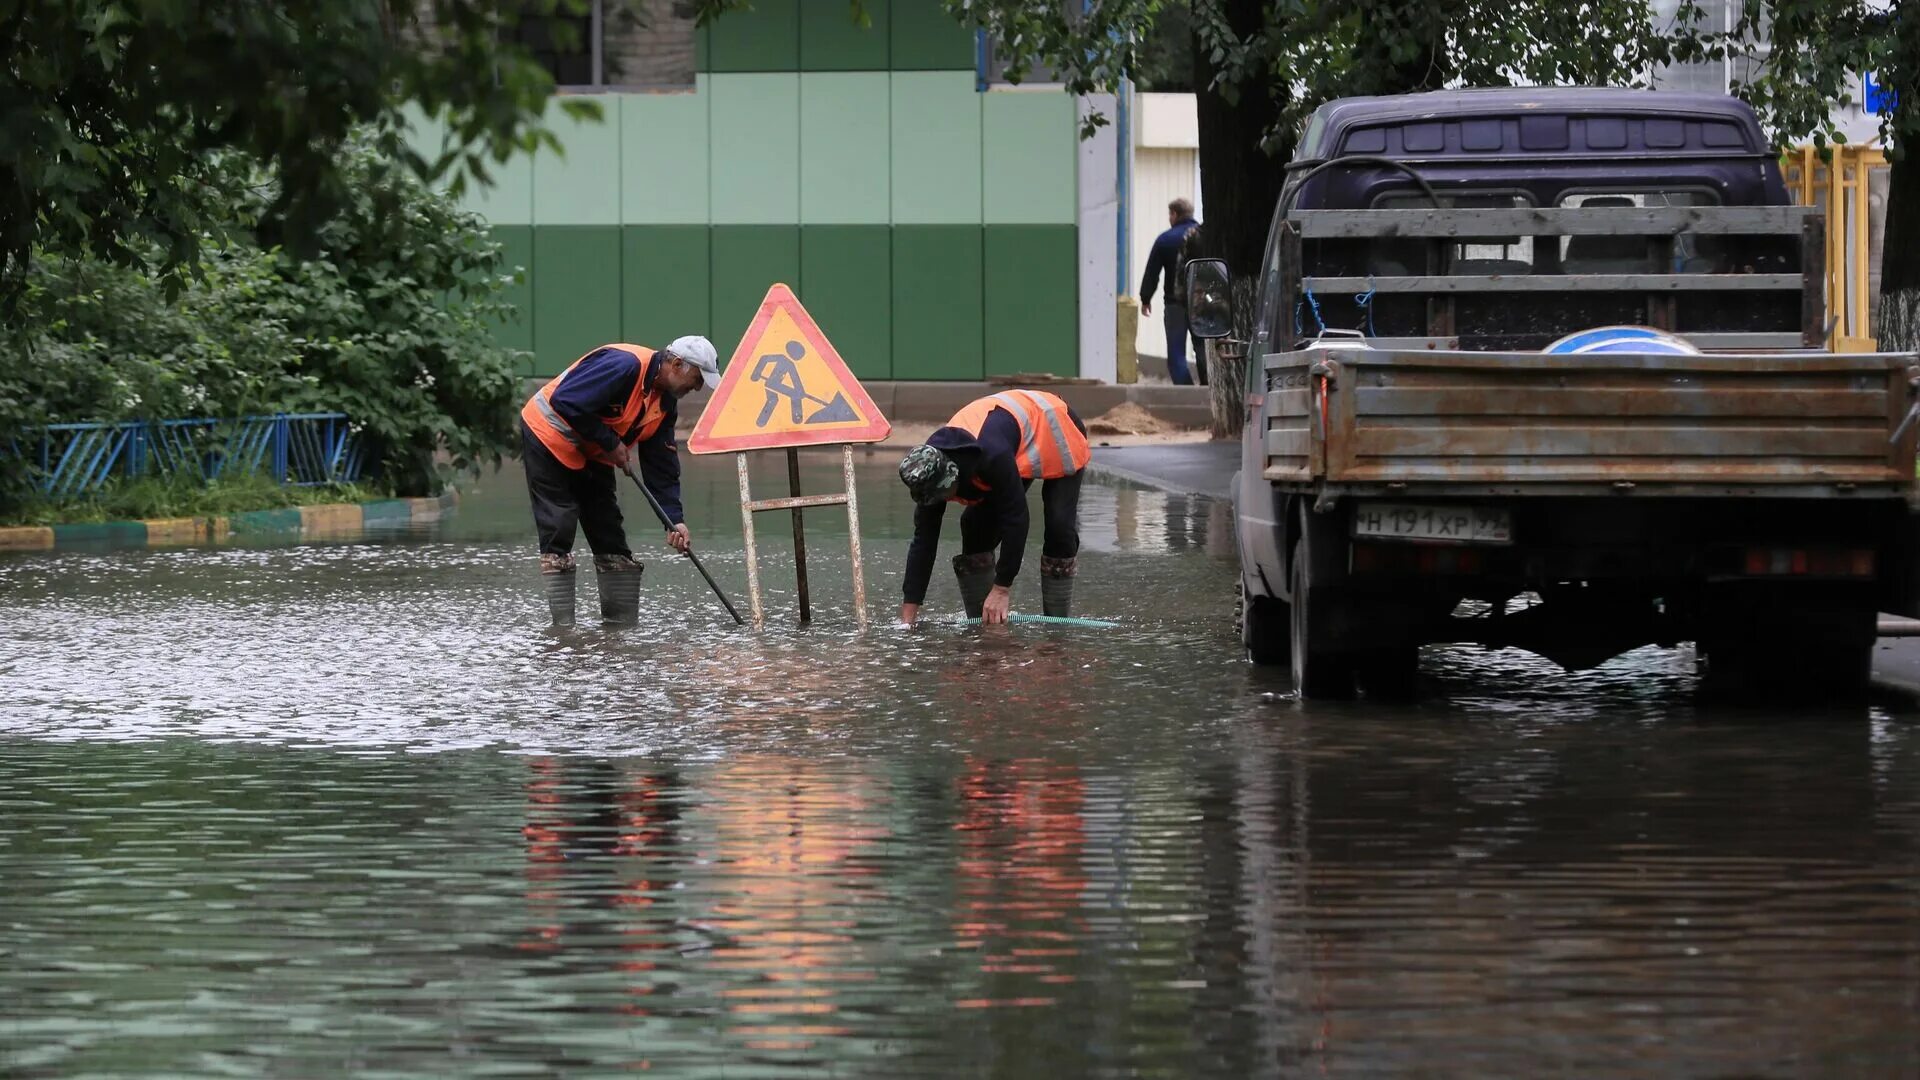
(1534, 122)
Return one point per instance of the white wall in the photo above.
(1166, 166)
(1159, 176)
(1098, 215)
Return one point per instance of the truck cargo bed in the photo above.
(1809, 424)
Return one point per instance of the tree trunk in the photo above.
(1897, 325)
(1241, 174)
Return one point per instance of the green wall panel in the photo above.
(747, 259)
(1031, 300)
(756, 143)
(845, 166)
(936, 148)
(831, 41)
(664, 158)
(509, 199)
(516, 256)
(1028, 147)
(765, 37)
(937, 302)
(666, 282)
(926, 38)
(576, 292)
(423, 133)
(848, 275)
(583, 186)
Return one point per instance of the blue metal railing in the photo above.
(299, 449)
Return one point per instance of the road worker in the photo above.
(612, 408)
(985, 458)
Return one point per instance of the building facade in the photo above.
(930, 221)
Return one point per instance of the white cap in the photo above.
(698, 351)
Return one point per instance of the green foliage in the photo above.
(392, 327)
(110, 110)
(181, 496)
(1306, 52)
(1813, 53)
(1166, 55)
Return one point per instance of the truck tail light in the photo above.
(1809, 562)
(1415, 559)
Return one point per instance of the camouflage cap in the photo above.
(928, 474)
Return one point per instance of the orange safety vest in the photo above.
(1051, 445)
(638, 418)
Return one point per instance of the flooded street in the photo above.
(305, 810)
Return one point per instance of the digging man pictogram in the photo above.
(780, 375)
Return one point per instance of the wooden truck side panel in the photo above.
(1366, 420)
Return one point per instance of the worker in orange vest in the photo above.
(985, 458)
(613, 406)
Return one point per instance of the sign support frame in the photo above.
(796, 503)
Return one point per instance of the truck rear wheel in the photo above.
(1265, 629)
(1320, 668)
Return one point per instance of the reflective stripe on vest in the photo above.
(1044, 426)
(640, 415)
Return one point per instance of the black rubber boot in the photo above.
(619, 577)
(556, 579)
(1056, 586)
(976, 580)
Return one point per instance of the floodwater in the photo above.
(353, 808)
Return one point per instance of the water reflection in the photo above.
(321, 810)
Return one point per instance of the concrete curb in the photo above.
(333, 521)
(1893, 684)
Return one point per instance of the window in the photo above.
(1470, 255)
(609, 44)
(1632, 254)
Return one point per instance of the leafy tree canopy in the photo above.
(111, 110)
(1301, 53)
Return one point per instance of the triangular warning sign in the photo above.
(785, 386)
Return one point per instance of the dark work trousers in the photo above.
(1059, 506)
(564, 498)
(1175, 316)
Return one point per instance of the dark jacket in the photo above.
(1165, 258)
(599, 386)
(990, 472)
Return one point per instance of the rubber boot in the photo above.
(556, 578)
(619, 577)
(976, 580)
(1056, 586)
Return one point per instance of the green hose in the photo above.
(1055, 620)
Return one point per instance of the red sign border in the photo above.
(779, 296)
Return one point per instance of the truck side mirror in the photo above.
(1209, 301)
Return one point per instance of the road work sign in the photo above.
(786, 387)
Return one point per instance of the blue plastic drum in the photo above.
(1633, 339)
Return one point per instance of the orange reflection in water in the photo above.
(587, 823)
(788, 845)
(1021, 877)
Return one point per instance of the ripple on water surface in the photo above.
(318, 809)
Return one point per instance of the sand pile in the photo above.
(1128, 419)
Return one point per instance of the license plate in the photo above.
(1453, 524)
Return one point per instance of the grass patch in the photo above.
(182, 496)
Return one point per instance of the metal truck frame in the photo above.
(1399, 490)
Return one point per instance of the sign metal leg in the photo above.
(799, 536)
(753, 554)
(853, 539)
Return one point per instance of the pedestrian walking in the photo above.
(985, 459)
(1165, 261)
(614, 406)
